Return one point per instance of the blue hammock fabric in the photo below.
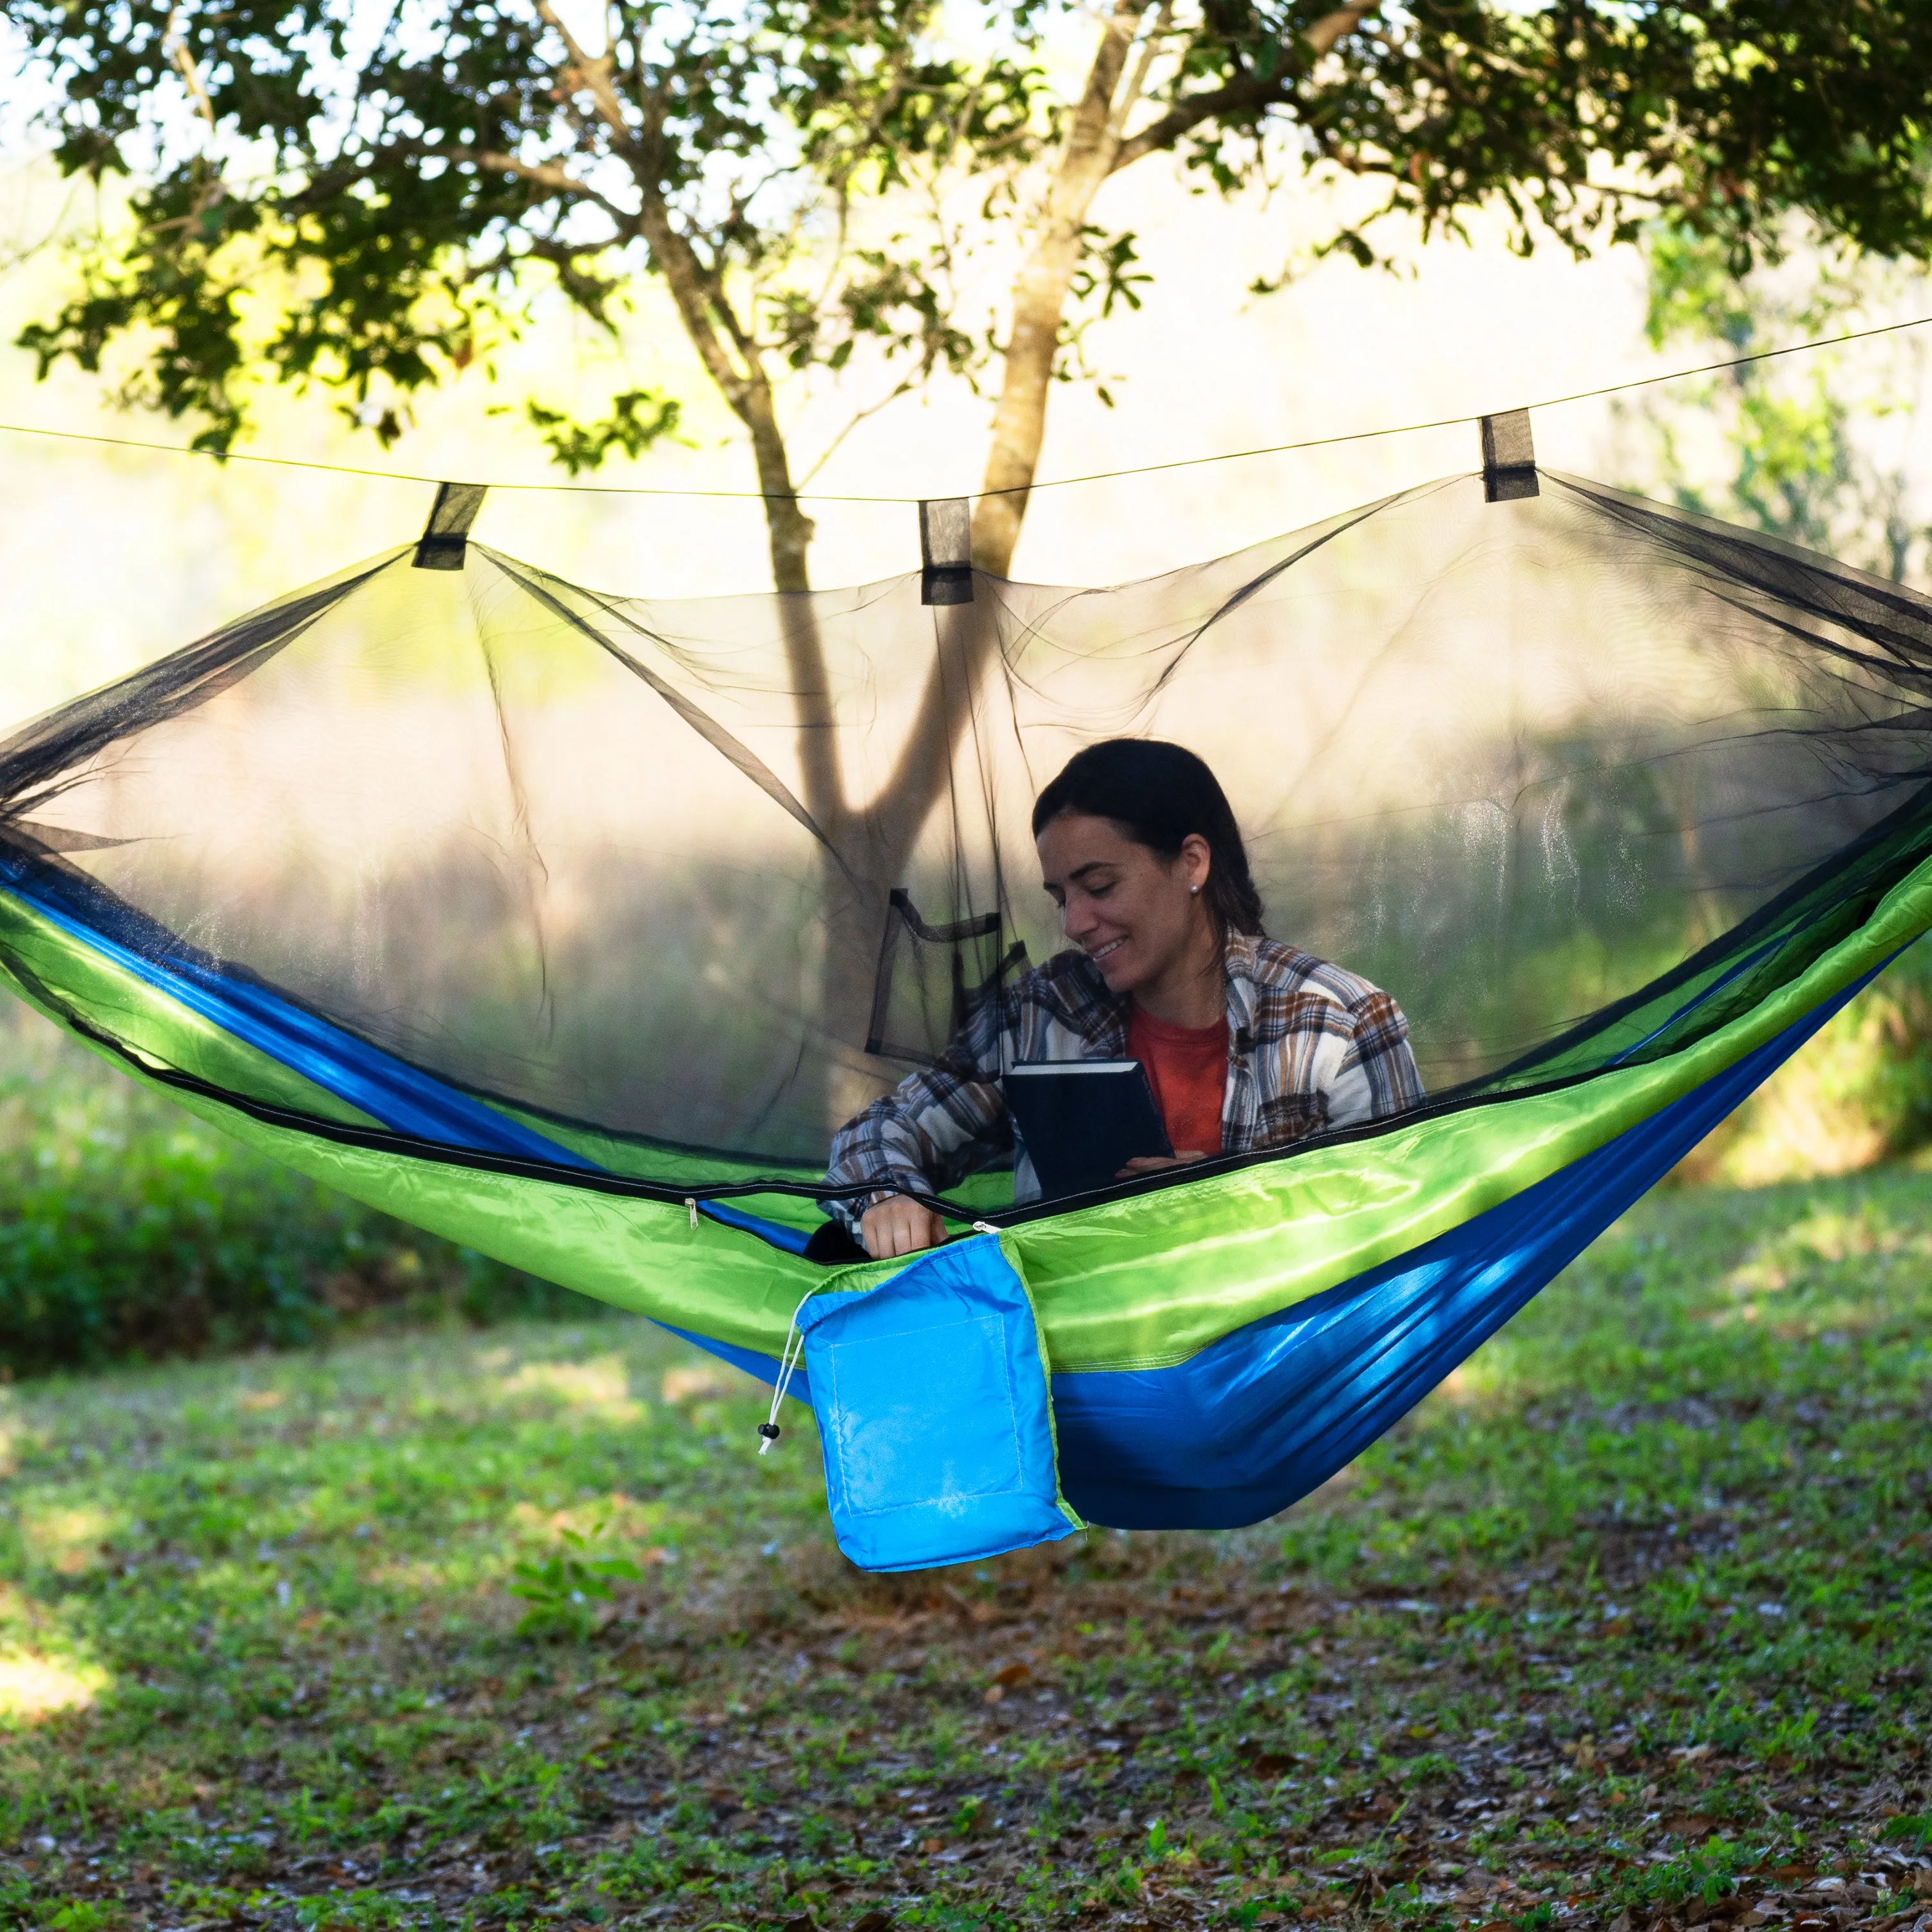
(1258, 1419)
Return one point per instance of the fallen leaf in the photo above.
(1011, 1674)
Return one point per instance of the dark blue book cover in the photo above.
(1082, 1121)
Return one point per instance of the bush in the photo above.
(128, 1228)
(1860, 1091)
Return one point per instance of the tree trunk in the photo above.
(1096, 145)
(789, 532)
(788, 529)
(1039, 298)
(731, 358)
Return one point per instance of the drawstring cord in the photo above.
(794, 1353)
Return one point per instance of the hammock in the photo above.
(570, 925)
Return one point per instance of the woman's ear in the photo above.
(1196, 862)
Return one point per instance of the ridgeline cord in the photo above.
(1015, 490)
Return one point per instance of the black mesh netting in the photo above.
(1569, 776)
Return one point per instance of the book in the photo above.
(1081, 1121)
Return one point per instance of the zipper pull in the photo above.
(691, 1202)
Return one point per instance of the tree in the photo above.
(801, 175)
(793, 172)
(409, 193)
(1814, 451)
(1581, 121)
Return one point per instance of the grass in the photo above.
(1627, 1625)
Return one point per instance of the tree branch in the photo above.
(1136, 86)
(905, 387)
(542, 174)
(1245, 95)
(595, 75)
(175, 45)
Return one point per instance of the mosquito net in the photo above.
(674, 889)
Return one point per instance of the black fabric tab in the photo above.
(945, 551)
(1509, 458)
(445, 537)
(832, 1246)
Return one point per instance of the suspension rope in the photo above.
(1015, 490)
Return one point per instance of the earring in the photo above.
(1194, 889)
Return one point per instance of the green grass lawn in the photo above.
(1628, 1623)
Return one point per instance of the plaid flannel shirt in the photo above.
(1309, 1047)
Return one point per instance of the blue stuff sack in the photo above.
(931, 1394)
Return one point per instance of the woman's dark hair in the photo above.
(1158, 794)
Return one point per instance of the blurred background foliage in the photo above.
(129, 1229)
(1818, 450)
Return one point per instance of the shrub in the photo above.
(128, 1228)
(1860, 1091)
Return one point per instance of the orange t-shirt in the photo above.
(1187, 1067)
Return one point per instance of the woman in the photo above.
(1247, 1043)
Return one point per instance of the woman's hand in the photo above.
(898, 1226)
(1152, 1163)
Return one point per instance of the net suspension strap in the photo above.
(946, 523)
(1509, 458)
(445, 542)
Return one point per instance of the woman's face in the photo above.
(1137, 916)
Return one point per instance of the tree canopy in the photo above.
(803, 176)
